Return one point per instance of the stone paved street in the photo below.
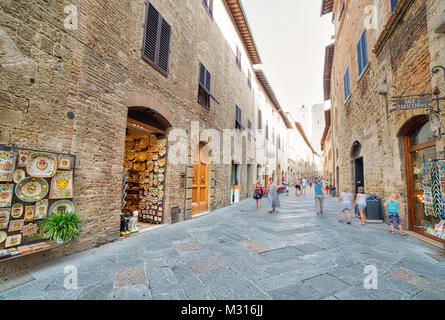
(241, 253)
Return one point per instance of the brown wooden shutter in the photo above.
(164, 47)
(150, 45)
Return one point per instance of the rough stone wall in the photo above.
(48, 70)
(404, 63)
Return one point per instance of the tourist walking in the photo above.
(297, 187)
(272, 196)
(360, 204)
(304, 185)
(259, 193)
(319, 196)
(346, 203)
(393, 206)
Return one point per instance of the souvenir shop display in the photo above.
(35, 181)
(145, 158)
(433, 180)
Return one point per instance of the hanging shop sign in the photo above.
(409, 103)
(31, 181)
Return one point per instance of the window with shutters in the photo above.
(238, 119)
(279, 141)
(342, 10)
(362, 54)
(249, 130)
(273, 136)
(392, 5)
(238, 57)
(204, 92)
(208, 5)
(267, 130)
(249, 79)
(346, 84)
(156, 44)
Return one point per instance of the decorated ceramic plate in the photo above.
(17, 210)
(162, 152)
(23, 159)
(160, 177)
(62, 185)
(30, 229)
(129, 143)
(161, 162)
(16, 225)
(41, 165)
(18, 175)
(3, 236)
(41, 209)
(32, 189)
(153, 140)
(65, 163)
(14, 240)
(7, 165)
(145, 141)
(4, 217)
(62, 206)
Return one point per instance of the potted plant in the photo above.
(61, 227)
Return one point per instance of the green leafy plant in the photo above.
(61, 227)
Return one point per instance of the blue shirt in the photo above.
(318, 188)
(392, 206)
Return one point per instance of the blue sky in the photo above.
(291, 36)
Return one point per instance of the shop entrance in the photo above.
(419, 148)
(200, 187)
(357, 156)
(145, 165)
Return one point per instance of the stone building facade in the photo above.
(71, 76)
(384, 49)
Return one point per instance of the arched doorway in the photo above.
(357, 165)
(200, 187)
(145, 163)
(419, 148)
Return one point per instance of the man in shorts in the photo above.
(304, 185)
(319, 196)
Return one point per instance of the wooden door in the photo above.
(200, 188)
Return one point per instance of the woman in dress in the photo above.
(272, 196)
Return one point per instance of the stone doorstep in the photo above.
(202, 214)
(430, 241)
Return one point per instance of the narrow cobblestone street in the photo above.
(241, 253)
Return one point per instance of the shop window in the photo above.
(204, 92)
(346, 84)
(392, 5)
(362, 54)
(421, 134)
(156, 45)
(238, 118)
(208, 5)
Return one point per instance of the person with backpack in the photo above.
(259, 193)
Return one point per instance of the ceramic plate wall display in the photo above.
(62, 185)
(17, 210)
(16, 225)
(29, 213)
(23, 159)
(18, 175)
(65, 163)
(32, 189)
(6, 192)
(41, 165)
(61, 207)
(7, 165)
(30, 229)
(12, 241)
(4, 217)
(162, 142)
(3, 236)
